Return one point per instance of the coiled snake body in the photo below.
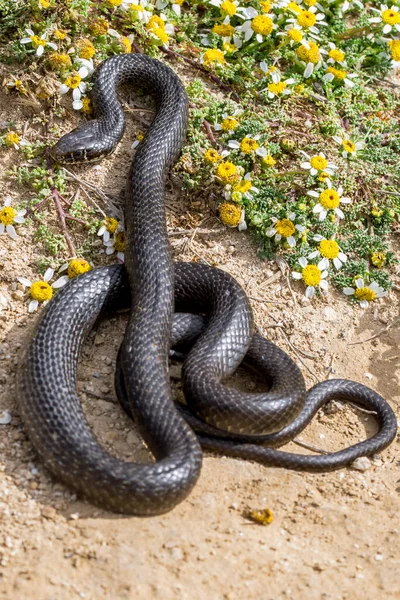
(225, 420)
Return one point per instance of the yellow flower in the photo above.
(60, 34)
(18, 85)
(311, 275)
(228, 7)
(213, 56)
(306, 19)
(336, 55)
(114, 3)
(277, 88)
(294, 7)
(99, 26)
(229, 124)
(111, 224)
(329, 249)
(43, 3)
(212, 156)
(394, 46)
(78, 266)
(73, 81)
(11, 138)
(41, 291)
(243, 186)
(391, 17)
(154, 23)
(86, 49)
(329, 199)
(309, 55)
(263, 517)
(349, 146)
(378, 259)
(323, 176)
(318, 162)
(337, 73)
(7, 215)
(265, 6)
(248, 145)
(310, 2)
(294, 34)
(119, 243)
(59, 62)
(229, 48)
(224, 30)
(125, 44)
(230, 214)
(269, 160)
(285, 227)
(227, 172)
(262, 24)
(364, 293)
(87, 107)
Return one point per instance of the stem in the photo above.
(355, 32)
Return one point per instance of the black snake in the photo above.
(212, 319)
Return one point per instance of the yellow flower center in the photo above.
(243, 186)
(212, 156)
(269, 160)
(229, 48)
(7, 215)
(114, 2)
(294, 7)
(60, 34)
(213, 56)
(44, 3)
(311, 275)
(229, 124)
(126, 44)
(318, 162)
(136, 8)
(364, 293)
(391, 17)
(262, 24)
(230, 214)
(161, 34)
(294, 34)
(309, 55)
(310, 2)
(119, 243)
(277, 88)
(11, 138)
(223, 30)
(73, 81)
(394, 46)
(37, 41)
(323, 176)
(349, 146)
(228, 7)
(59, 61)
(227, 172)
(337, 73)
(99, 27)
(378, 259)
(111, 224)
(85, 49)
(306, 19)
(78, 266)
(154, 23)
(329, 249)
(336, 55)
(285, 227)
(41, 291)
(265, 6)
(329, 199)
(87, 106)
(247, 145)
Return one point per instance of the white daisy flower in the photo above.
(176, 6)
(328, 250)
(329, 199)
(9, 216)
(244, 188)
(75, 83)
(349, 148)
(365, 294)
(260, 25)
(335, 55)
(229, 121)
(312, 276)
(340, 75)
(277, 87)
(317, 164)
(39, 42)
(294, 32)
(389, 16)
(42, 290)
(86, 63)
(248, 145)
(108, 228)
(116, 244)
(308, 20)
(285, 229)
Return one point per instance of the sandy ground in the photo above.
(334, 536)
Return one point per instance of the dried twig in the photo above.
(373, 337)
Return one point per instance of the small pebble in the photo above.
(5, 417)
(379, 557)
(361, 464)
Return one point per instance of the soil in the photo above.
(334, 536)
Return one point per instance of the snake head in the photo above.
(80, 145)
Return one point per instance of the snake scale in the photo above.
(199, 309)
